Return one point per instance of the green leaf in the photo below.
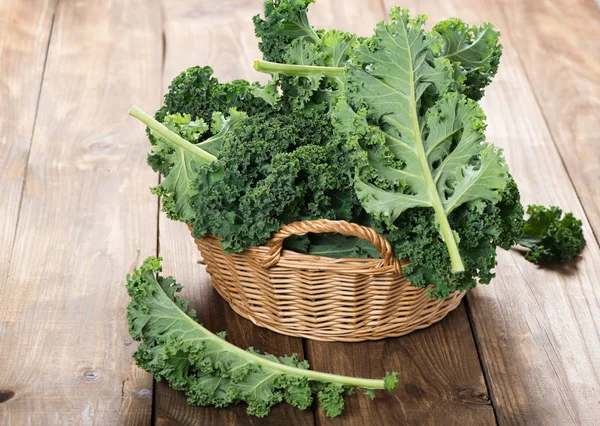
(284, 22)
(337, 46)
(186, 156)
(475, 49)
(176, 188)
(212, 371)
(413, 159)
(220, 127)
(550, 236)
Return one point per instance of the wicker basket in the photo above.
(322, 298)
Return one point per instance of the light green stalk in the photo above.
(169, 135)
(298, 70)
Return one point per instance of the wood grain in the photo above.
(537, 329)
(24, 34)
(222, 36)
(441, 378)
(86, 219)
(441, 381)
(559, 49)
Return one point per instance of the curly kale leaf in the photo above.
(213, 372)
(197, 93)
(179, 159)
(284, 22)
(474, 49)
(300, 45)
(177, 186)
(550, 236)
(436, 158)
(182, 157)
(275, 169)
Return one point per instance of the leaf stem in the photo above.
(440, 213)
(298, 70)
(434, 197)
(169, 135)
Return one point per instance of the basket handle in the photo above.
(342, 227)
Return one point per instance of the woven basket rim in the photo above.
(272, 252)
(294, 260)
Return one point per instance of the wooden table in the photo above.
(76, 216)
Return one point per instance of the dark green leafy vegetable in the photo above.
(276, 169)
(475, 50)
(179, 157)
(197, 93)
(550, 236)
(416, 157)
(214, 372)
(383, 131)
(285, 21)
(423, 144)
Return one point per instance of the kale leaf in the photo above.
(213, 372)
(274, 169)
(550, 236)
(416, 157)
(474, 50)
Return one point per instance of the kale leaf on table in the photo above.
(550, 236)
(213, 372)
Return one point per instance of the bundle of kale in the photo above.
(384, 131)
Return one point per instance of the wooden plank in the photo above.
(441, 381)
(558, 45)
(537, 329)
(24, 34)
(222, 36)
(441, 378)
(86, 220)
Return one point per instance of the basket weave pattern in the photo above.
(322, 298)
